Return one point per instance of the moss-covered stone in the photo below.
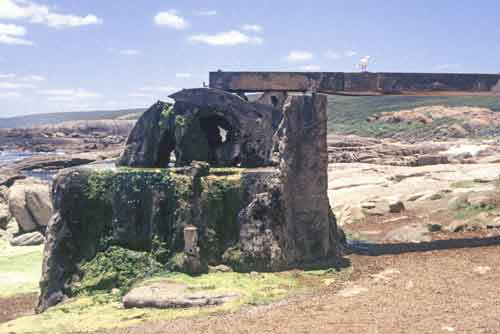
(221, 202)
(115, 268)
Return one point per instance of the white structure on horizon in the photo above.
(363, 63)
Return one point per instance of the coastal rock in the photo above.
(4, 215)
(9, 176)
(29, 203)
(28, 239)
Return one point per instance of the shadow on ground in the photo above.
(373, 249)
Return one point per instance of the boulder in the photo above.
(39, 204)
(4, 214)
(28, 239)
(29, 203)
(172, 295)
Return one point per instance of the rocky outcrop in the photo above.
(60, 161)
(30, 204)
(74, 136)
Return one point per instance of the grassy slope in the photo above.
(347, 115)
(42, 119)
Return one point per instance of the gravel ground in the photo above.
(419, 292)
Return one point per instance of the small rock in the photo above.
(220, 269)
(171, 295)
(413, 233)
(417, 196)
(495, 223)
(368, 205)
(434, 227)
(482, 270)
(28, 239)
(396, 206)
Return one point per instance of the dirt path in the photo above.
(13, 307)
(433, 292)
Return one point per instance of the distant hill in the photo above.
(54, 118)
(349, 115)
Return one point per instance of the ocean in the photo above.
(9, 157)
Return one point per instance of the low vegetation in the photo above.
(348, 115)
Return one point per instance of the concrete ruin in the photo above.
(216, 179)
(248, 178)
(365, 83)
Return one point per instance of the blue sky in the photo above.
(67, 55)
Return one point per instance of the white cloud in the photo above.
(183, 75)
(158, 89)
(7, 95)
(69, 94)
(252, 27)
(130, 52)
(296, 56)
(228, 38)
(35, 13)
(171, 19)
(13, 34)
(14, 85)
(310, 68)
(350, 53)
(205, 12)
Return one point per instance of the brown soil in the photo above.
(442, 291)
(13, 307)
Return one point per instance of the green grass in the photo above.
(471, 211)
(20, 269)
(465, 184)
(348, 115)
(104, 311)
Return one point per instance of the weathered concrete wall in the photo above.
(303, 162)
(359, 83)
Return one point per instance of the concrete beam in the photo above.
(425, 84)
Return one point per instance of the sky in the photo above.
(73, 55)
